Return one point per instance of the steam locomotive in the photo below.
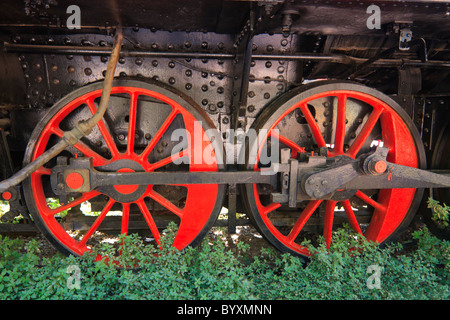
(300, 115)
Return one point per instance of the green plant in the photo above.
(211, 271)
(441, 213)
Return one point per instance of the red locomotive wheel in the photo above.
(348, 119)
(134, 135)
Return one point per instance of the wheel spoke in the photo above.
(289, 143)
(158, 134)
(125, 218)
(109, 140)
(82, 147)
(165, 203)
(328, 222)
(364, 197)
(270, 208)
(148, 217)
(84, 197)
(365, 133)
(340, 125)
(302, 219)
(313, 125)
(132, 123)
(167, 160)
(97, 222)
(351, 216)
(43, 171)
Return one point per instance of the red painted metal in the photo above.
(74, 180)
(390, 207)
(200, 200)
(6, 195)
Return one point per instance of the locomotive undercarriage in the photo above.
(349, 150)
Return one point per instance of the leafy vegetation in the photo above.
(211, 271)
(440, 213)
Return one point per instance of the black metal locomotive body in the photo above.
(235, 66)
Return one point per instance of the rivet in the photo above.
(251, 108)
(103, 58)
(204, 88)
(251, 94)
(172, 80)
(204, 102)
(188, 86)
(72, 83)
(155, 63)
(266, 95)
(70, 69)
(138, 61)
(187, 44)
(220, 104)
(204, 44)
(220, 90)
(188, 72)
(171, 64)
(121, 60)
(268, 64)
(88, 71)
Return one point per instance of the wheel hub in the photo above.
(123, 193)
